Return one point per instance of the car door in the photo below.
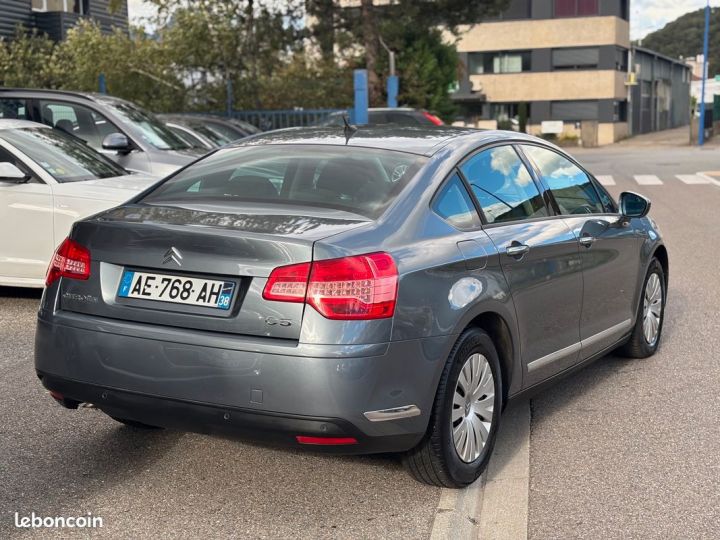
(609, 248)
(539, 256)
(26, 226)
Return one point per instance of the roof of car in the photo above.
(416, 140)
(11, 123)
(91, 96)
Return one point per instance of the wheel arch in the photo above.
(502, 337)
(661, 255)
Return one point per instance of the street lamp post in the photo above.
(701, 128)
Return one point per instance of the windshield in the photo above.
(359, 180)
(65, 157)
(152, 131)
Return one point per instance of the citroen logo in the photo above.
(172, 255)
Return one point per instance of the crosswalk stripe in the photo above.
(692, 179)
(606, 179)
(648, 180)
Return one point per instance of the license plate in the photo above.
(176, 289)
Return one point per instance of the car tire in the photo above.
(134, 424)
(639, 346)
(437, 460)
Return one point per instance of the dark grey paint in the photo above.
(552, 301)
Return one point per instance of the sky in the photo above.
(645, 15)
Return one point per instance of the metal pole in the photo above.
(701, 128)
(393, 83)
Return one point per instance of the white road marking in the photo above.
(692, 179)
(648, 180)
(710, 178)
(496, 505)
(605, 179)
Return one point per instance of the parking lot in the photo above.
(620, 449)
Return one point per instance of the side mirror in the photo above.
(9, 172)
(633, 205)
(117, 142)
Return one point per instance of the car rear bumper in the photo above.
(248, 393)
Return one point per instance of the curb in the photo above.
(495, 507)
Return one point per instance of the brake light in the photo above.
(434, 119)
(361, 287)
(70, 260)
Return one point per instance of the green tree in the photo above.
(684, 37)
(215, 41)
(27, 60)
(136, 68)
(420, 19)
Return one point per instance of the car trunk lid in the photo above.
(237, 248)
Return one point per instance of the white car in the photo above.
(48, 180)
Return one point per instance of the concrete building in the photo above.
(56, 17)
(661, 98)
(563, 66)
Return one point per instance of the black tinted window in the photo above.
(359, 180)
(571, 187)
(77, 120)
(503, 185)
(454, 205)
(13, 109)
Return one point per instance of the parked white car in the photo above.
(49, 180)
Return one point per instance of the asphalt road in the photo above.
(620, 449)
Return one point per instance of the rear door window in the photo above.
(359, 180)
(503, 186)
(571, 187)
(78, 120)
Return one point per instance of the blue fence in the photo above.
(278, 119)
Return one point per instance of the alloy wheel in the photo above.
(472, 409)
(652, 309)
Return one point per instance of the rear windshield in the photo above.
(359, 180)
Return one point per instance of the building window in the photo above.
(68, 6)
(498, 62)
(572, 111)
(621, 58)
(576, 58)
(620, 111)
(576, 8)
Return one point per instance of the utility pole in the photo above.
(392, 81)
(701, 128)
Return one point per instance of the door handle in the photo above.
(587, 241)
(517, 250)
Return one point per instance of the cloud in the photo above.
(649, 15)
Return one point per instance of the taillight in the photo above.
(351, 288)
(434, 119)
(288, 283)
(70, 260)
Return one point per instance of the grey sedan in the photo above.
(362, 291)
